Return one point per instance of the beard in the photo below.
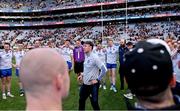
(122, 45)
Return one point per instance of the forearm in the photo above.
(102, 73)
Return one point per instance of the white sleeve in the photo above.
(102, 67)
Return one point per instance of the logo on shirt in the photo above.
(88, 61)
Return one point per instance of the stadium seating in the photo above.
(44, 4)
(134, 31)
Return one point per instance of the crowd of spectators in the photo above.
(146, 12)
(44, 4)
(48, 4)
(115, 31)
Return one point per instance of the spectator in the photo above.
(122, 50)
(44, 75)
(176, 67)
(149, 74)
(37, 44)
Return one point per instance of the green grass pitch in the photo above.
(108, 100)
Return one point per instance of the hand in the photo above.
(17, 66)
(71, 47)
(79, 78)
(94, 81)
(71, 68)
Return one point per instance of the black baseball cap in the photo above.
(148, 67)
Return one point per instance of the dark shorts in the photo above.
(6, 72)
(78, 67)
(69, 65)
(110, 66)
(17, 72)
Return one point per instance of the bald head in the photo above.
(40, 68)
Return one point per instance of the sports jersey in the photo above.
(101, 54)
(78, 54)
(67, 53)
(18, 57)
(112, 53)
(176, 66)
(6, 60)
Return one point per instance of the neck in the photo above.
(98, 49)
(123, 46)
(165, 101)
(6, 50)
(77, 45)
(88, 53)
(43, 103)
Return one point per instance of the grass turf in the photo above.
(108, 100)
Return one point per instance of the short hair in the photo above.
(129, 44)
(20, 42)
(6, 43)
(78, 40)
(67, 40)
(37, 41)
(89, 43)
(110, 40)
(82, 42)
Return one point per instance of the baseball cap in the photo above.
(148, 67)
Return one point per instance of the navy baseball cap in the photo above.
(148, 67)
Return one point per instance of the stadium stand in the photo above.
(115, 31)
(57, 21)
(44, 4)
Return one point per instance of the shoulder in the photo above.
(93, 54)
(15, 52)
(10, 52)
(3, 52)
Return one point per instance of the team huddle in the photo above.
(73, 55)
(91, 63)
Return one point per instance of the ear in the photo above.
(58, 82)
(61, 85)
(173, 81)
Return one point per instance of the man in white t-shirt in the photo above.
(6, 70)
(45, 78)
(18, 57)
(112, 52)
